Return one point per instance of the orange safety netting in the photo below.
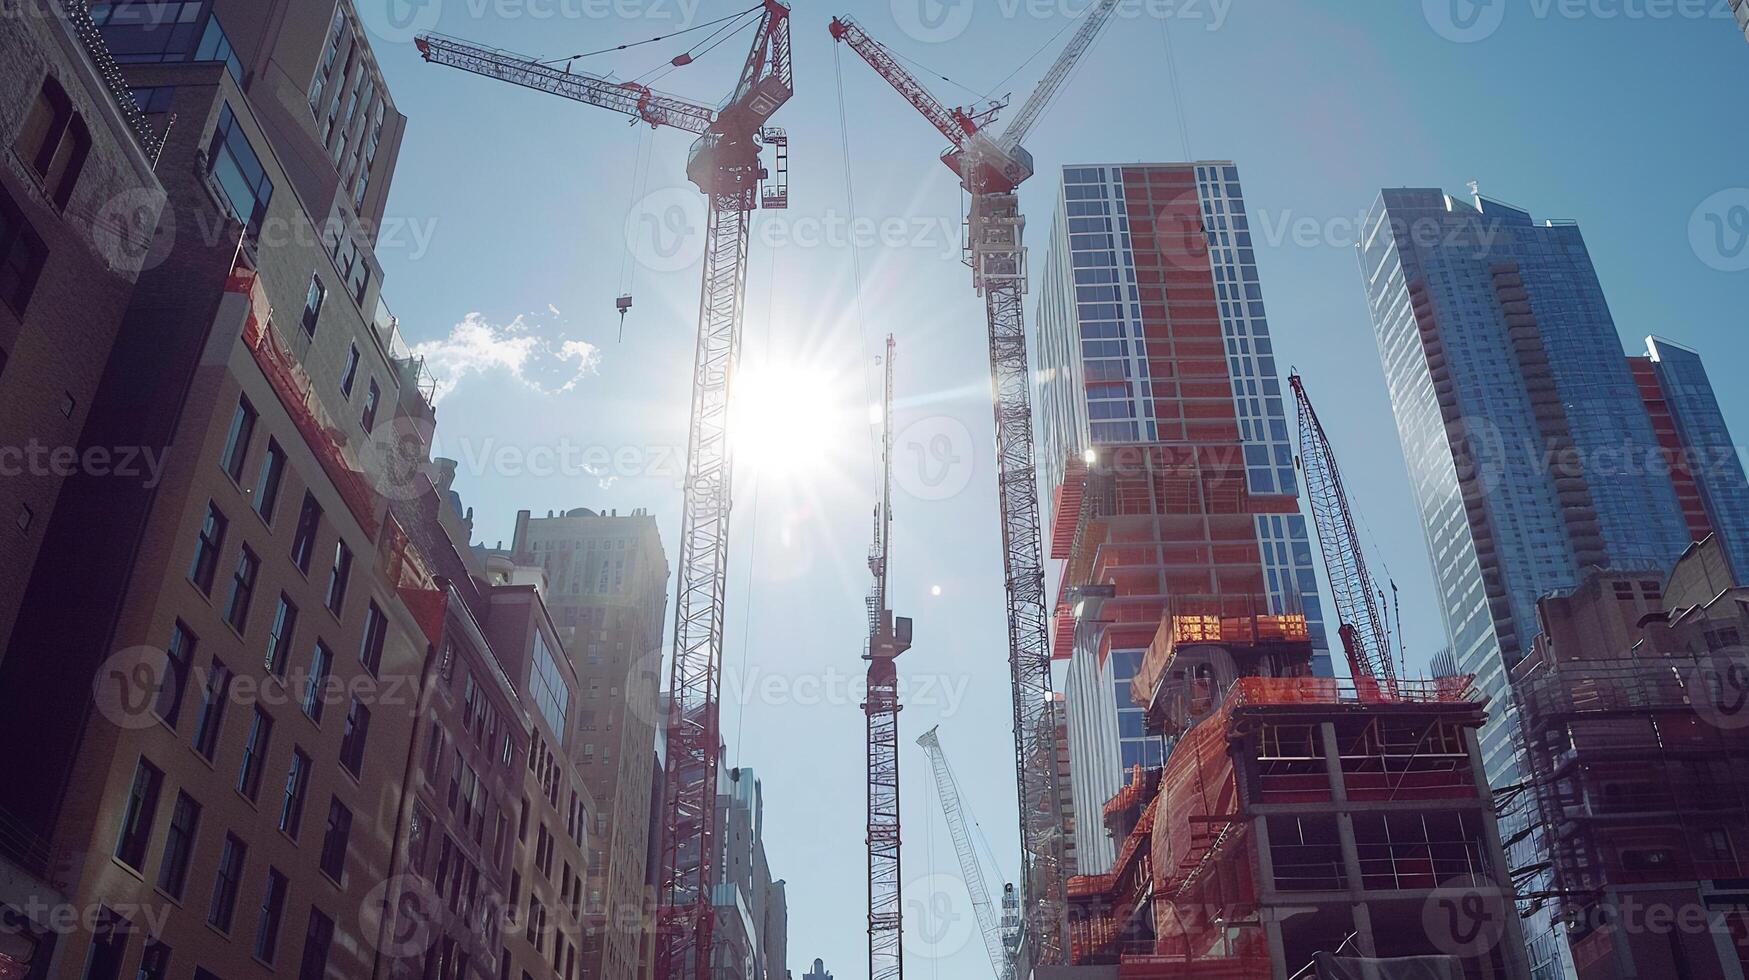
(296, 394)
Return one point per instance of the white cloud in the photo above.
(477, 346)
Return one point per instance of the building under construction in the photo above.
(1636, 753)
(1299, 823)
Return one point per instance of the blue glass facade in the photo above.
(1516, 410)
(1710, 452)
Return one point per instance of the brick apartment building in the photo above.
(608, 593)
(78, 205)
(220, 679)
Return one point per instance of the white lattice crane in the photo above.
(953, 808)
(725, 164)
(991, 168)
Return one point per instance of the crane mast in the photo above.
(887, 638)
(1365, 640)
(991, 169)
(725, 164)
(947, 788)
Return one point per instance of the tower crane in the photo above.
(990, 169)
(725, 164)
(1365, 640)
(887, 638)
(947, 788)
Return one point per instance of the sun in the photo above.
(788, 419)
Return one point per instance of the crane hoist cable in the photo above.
(628, 270)
(567, 59)
(868, 383)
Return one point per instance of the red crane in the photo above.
(887, 638)
(1365, 640)
(725, 164)
(990, 169)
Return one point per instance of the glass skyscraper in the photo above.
(1528, 434)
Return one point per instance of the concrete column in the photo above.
(1277, 949)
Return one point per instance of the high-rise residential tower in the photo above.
(1531, 448)
(1705, 469)
(1159, 395)
(607, 589)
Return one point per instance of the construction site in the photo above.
(1224, 764)
(1268, 818)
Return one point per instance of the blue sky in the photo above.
(1617, 114)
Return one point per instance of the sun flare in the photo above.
(787, 419)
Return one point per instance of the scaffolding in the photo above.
(1632, 785)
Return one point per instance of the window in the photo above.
(156, 99)
(279, 636)
(350, 375)
(372, 396)
(297, 784)
(225, 881)
(184, 823)
(267, 919)
(154, 962)
(238, 171)
(212, 709)
(164, 32)
(109, 943)
(315, 686)
(142, 806)
(304, 541)
(313, 306)
(254, 754)
(242, 589)
(357, 730)
(353, 268)
(543, 851)
(338, 576)
(54, 141)
(267, 482)
(206, 551)
(237, 440)
(376, 629)
(537, 923)
(334, 840)
(22, 254)
(550, 693)
(317, 939)
(179, 653)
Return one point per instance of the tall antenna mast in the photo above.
(887, 638)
